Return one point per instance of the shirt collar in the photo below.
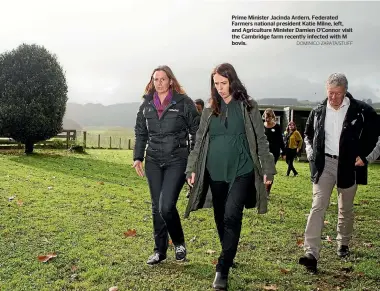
(346, 102)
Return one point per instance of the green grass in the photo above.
(79, 206)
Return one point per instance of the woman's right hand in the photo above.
(191, 180)
(139, 168)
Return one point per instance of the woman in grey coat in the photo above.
(231, 155)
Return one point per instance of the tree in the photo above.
(33, 95)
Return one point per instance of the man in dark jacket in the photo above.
(337, 131)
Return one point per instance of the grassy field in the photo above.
(80, 208)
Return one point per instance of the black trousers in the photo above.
(228, 214)
(165, 183)
(276, 156)
(290, 156)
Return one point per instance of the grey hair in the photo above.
(338, 80)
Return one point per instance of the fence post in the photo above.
(84, 139)
(129, 144)
(67, 138)
(98, 141)
(110, 142)
(120, 143)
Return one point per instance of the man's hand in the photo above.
(139, 168)
(266, 181)
(359, 162)
(191, 180)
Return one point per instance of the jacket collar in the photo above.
(175, 99)
(323, 104)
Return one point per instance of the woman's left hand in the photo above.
(266, 181)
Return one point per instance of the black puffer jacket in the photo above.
(168, 138)
(359, 136)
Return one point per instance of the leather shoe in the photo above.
(343, 251)
(220, 281)
(310, 262)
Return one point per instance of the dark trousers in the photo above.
(228, 214)
(268, 187)
(165, 183)
(290, 156)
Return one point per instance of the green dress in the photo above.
(228, 154)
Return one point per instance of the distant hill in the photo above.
(86, 115)
(124, 114)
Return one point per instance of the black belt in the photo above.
(332, 156)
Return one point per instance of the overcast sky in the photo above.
(109, 48)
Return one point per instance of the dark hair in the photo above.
(237, 89)
(149, 89)
(199, 102)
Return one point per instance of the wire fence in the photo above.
(104, 140)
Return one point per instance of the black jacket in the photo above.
(358, 138)
(167, 137)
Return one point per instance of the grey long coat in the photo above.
(259, 148)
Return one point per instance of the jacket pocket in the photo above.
(313, 169)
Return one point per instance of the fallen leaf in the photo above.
(45, 258)
(328, 238)
(361, 274)
(368, 245)
(210, 252)
(74, 268)
(130, 232)
(73, 277)
(20, 203)
(214, 262)
(50, 188)
(271, 287)
(193, 239)
(284, 271)
(326, 222)
(282, 215)
(364, 202)
(101, 183)
(128, 201)
(299, 242)
(114, 288)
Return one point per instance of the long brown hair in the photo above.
(295, 126)
(149, 89)
(237, 89)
